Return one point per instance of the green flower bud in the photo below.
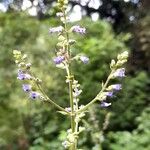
(22, 64)
(60, 44)
(123, 55)
(121, 62)
(71, 138)
(16, 52)
(17, 61)
(112, 64)
(71, 42)
(24, 56)
(61, 38)
(81, 129)
(38, 81)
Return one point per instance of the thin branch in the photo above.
(95, 99)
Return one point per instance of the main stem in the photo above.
(73, 124)
(71, 78)
(71, 101)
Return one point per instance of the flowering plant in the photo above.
(64, 58)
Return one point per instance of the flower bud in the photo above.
(22, 64)
(61, 38)
(59, 14)
(121, 62)
(112, 64)
(81, 129)
(71, 42)
(123, 55)
(16, 52)
(28, 65)
(38, 81)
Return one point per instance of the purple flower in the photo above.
(68, 109)
(105, 104)
(78, 29)
(77, 92)
(56, 29)
(119, 72)
(23, 76)
(34, 95)
(84, 59)
(110, 94)
(59, 59)
(26, 87)
(116, 87)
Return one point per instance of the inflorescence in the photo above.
(63, 59)
(116, 72)
(24, 74)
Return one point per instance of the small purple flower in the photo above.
(68, 109)
(23, 76)
(59, 59)
(119, 72)
(110, 94)
(77, 92)
(34, 95)
(56, 29)
(105, 104)
(116, 87)
(84, 59)
(78, 29)
(26, 87)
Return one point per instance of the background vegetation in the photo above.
(32, 125)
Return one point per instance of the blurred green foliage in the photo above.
(137, 139)
(32, 125)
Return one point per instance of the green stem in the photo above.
(51, 101)
(72, 112)
(70, 76)
(71, 104)
(76, 123)
(95, 99)
(47, 99)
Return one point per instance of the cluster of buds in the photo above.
(117, 72)
(76, 90)
(62, 4)
(121, 60)
(25, 76)
(63, 54)
(72, 137)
